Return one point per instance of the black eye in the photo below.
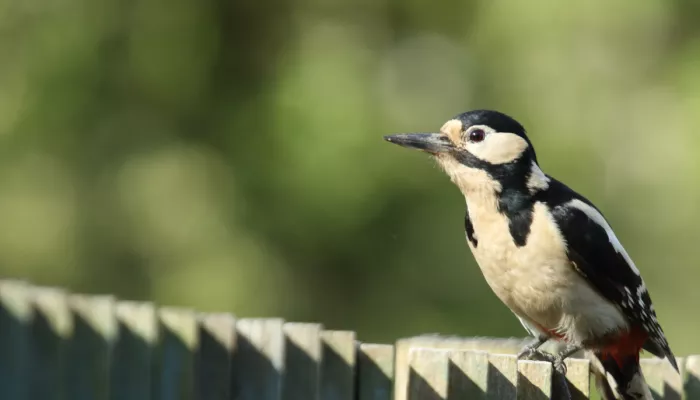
(477, 135)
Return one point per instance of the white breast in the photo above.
(537, 280)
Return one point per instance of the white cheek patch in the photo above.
(596, 217)
(498, 147)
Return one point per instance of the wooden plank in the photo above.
(258, 363)
(691, 377)
(217, 336)
(534, 380)
(133, 354)
(488, 344)
(302, 361)
(578, 380)
(51, 330)
(375, 371)
(468, 374)
(674, 379)
(16, 315)
(89, 350)
(428, 374)
(652, 370)
(174, 375)
(338, 361)
(664, 382)
(502, 376)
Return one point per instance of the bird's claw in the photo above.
(525, 354)
(539, 355)
(535, 354)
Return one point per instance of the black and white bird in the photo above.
(546, 251)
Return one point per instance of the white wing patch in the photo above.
(537, 180)
(597, 217)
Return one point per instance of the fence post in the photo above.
(16, 315)
(338, 363)
(468, 374)
(302, 361)
(258, 363)
(375, 370)
(217, 342)
(662, 379)
(503, 376)
(428, 374)
(534, 380)
(51, 329)
(578, 379)
(132, 356)
(691, 377)
(90, 348)
(177, 344)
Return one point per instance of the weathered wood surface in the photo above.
(16, 317)
(375, 370)
(217, 342)
(302, 361)
(338, 365)
(258, 364)
(56, 345)
(90, 347)
(132, 357)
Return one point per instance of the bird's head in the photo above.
(477, 147)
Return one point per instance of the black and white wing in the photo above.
(599, 257)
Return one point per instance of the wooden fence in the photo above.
(56, 345)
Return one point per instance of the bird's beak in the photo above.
(430, 142)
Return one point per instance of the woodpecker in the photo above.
(545, 250)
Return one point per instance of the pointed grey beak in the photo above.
(430, 142)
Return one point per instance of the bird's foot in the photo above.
(557, 361)
(532, 349)
(539, 355)
(535, 355)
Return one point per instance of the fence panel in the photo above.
(54, 345)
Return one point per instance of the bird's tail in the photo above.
(625, 375)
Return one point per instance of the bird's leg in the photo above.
(558, 361)
(532, 349)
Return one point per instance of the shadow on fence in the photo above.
(55, 345)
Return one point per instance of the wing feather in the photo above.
(598, 256)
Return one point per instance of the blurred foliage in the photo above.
(228, 155)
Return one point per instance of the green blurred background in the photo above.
(228, 155)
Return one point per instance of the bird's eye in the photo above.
(477, 135)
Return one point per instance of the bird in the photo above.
(545, 250)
